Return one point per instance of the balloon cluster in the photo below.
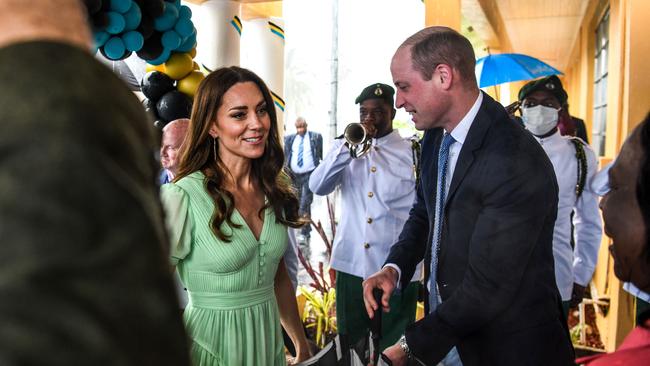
(162, 33)
(151, 28)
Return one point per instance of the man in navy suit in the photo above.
(303, 151)
(482, 220)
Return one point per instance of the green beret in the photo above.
(377, 91)
(551, 84)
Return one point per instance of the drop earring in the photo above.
(214, 147)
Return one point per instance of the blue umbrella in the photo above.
(506, 67)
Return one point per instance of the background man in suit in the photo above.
(172, 137)
(84, 269)
(303, 152)
(483, 220)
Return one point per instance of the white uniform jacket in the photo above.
(377, 192)
(578, 264)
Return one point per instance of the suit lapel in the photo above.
(473, 141)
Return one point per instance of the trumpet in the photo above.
(358, 139)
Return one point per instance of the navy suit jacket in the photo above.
(495, 269)
(315, 141)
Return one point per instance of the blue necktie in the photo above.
(443, 156)
(301, 148)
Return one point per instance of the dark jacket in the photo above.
(315, 141)
(495, 271)
(84, 265)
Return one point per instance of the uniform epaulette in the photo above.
(583, 169)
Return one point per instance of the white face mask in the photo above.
(539, 120)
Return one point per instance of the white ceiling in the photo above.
(545, 29)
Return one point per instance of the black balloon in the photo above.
(174, 105)
(100, 20)
(159, 124)
(146, 26)
(152, 48)
(155, 84)
(93, 6)
(153, 8)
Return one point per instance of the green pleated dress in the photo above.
(232, 316)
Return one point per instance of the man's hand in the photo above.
(396, 355)
(385, 280)
(576, 295)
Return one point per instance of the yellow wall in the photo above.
(628, 101)
(442, 12)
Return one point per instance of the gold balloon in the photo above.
(178, 65)
(190, 83)
(151, 67)
(193, 52)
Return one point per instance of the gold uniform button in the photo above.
(373, 169)
(370, 220)
(366, 245)
(370, 194)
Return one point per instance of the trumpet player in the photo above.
(374, 168)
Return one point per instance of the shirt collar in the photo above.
(392, 136)
(459, 133)
(557, 136)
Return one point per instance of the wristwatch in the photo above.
(404, 346)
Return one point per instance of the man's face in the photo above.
(301, 127)
(171, 142)
(622, 215)
(377, 116)
(423, 99)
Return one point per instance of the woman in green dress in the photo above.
(228, 211)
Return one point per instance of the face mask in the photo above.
(539, 120)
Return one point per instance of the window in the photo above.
(599, 126)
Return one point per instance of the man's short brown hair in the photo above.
(442, 45)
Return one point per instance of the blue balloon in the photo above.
(132, 17)
(164, 56)
(188, 44)
(167, 20)
(133, 41)
(100, 38)
(171, 40)
(114, 48)
(116, 22)
(185, 12)
(184, 27)
(121, 6)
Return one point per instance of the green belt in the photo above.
(231, 300)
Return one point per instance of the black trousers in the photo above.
(301, 184)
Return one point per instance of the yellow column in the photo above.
(636, 94)
(442, 12)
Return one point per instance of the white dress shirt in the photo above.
(459, 133)
(577, 264)
(377, 192)
(307, 157)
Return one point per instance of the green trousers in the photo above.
(352, 318)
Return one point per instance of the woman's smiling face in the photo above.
(243, 122)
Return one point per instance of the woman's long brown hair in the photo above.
(198, 153)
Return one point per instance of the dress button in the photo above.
(261, 273)
(366, 245)
(370, 194)
(373, 169)
(370, 220)
(262, 254)
(262, 262)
